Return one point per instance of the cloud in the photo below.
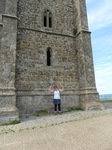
(103, 64)
(103, 75)
(100, 23)
(100, 15)
(102, 44)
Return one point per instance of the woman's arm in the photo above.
(62, 88)
(50, 89)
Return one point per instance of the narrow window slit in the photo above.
(48, 58)
(50, 22)
(45, 21)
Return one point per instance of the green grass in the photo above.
(12, 123)
(42, 112)
(74, 30)
(105, 100)
(74, 108)
(45, 112)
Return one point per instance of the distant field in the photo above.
(105, 100)
(106, 97)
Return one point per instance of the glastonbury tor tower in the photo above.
(44, 42)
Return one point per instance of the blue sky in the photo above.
(100, 24)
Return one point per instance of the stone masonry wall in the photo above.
(33, 76)
(2, 6)
(80, 15)
(32, 71)
(31, 14)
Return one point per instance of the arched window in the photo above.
(49, 56)
(48, 19)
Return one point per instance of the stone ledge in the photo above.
(55, 33)
(43, 93)
(48, 32)
(8, 109)
(7, 91)
(9, 16)
(1, 24)
(82, 30)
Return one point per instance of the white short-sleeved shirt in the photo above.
(56, 94)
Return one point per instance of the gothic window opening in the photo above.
(45, 21)
(48, 19)
(48, 57)
(50, 22)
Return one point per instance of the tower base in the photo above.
(92, 106)
(89, 100)
(8, 110)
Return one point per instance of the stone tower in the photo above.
(38, 48)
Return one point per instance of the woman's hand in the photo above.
(50, 89)
(62, 88)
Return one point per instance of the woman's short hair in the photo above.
(55, 86)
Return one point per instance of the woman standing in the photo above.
(57, 100)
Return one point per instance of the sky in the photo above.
(100, 24)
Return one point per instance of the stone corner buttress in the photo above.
(89, 97)
(8, 32)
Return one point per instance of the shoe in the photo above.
(55, 113)
(60, 112)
